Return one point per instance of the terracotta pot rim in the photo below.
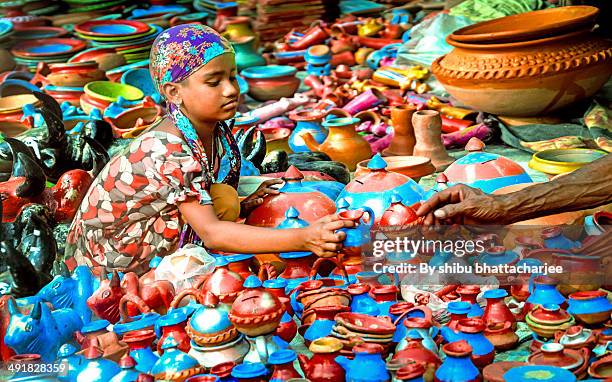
(457, 349)
(587, 295)
(515, 45)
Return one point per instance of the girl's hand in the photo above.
(321, 237)
(256, 198)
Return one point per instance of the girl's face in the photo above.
(211, 93)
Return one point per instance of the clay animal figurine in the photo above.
(27, 281)
(42, 331)
(252, 146)
(33, 236)
(70, 291)
(104, 302)
(157, 294)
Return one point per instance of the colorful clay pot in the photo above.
(496, 311)
(554, 354)
(306, 122)
(322, 366)
(95, 368)
(271, 82)
(282, 365)
(561, 161)
(545, 320)
(367, 365)
(110, 91)
(140, 342)
(174, 364)
(173, 325)
(229, 352)
(62, 94)
(246, 53)
(342, 144)
(277, 139)
(472, 331)
(501, 336)
(590, 307)
(403, 132)
(364, 101)
(411, 166)
(414, 351)
(532, 87)
(311, 204)
(107, 58)
(74, 74)
(576, 337)
(469, 293)
(457, 367)
(131, 122)
(543, 290)
(601, 368)
(398, 216)
(128, 371)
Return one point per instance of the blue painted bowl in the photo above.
(141, 79)
(269, 71)
(537, 373)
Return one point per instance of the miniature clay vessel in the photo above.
(403, 132)
(531, 74)
(427, 130)
(590, 307)
(174, 364)
(496, 311)
(223, 283)
(74, 74)
(577, 337)
(602, 368)
(342, 144)
(415, 351)
(256, 311)
(271, 82)
(307, 121)
(322, 366)
(501, 336)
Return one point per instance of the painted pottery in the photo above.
(458, 310)
(95, 368)
(297, 264)
(271, 82)
(561, 161)
(359, 234)
(277, 139)
(576, 337)
(385, 297)
(107, 58)
(543, 290)
(546, 319)
(322, 366)
(497, 311)
(361, 302)
(174, 364)
(131, 122)
(415, 351)
(128, 371)
(366, 100)
(323, 324)
(173, 325)
(457, 367)
(590, 307)
(236, 26)
(342, 144)
(398, 216)
(74, 74)
(533, 87)
(250, 372)
(376, 188)
(287, 329)
(367, 365)
(554, 354)
(71, 95)
(110, 91)
(311, 204)
(140, 342)
(501, 336)
(495, 371)
(306, 122)
(223, 283)
(256, 311)
(209, 325)
(282, 365)
(602, 368)
(469, 293)
(427, 125)
(485, 171)
(210, 356)
(246, 53)
(545, 373)
(472, 331)
(553, 238)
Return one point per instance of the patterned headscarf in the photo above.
(177, 53)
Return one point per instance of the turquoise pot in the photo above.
(296, 142)
(246, 53)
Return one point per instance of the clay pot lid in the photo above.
(249, 370)
(325, 345)
(223, 369)
(368, 348)
(468, 289)
(282, 356)
(587, 295)
(127, 362)
(357, 289)
(275, 284)
(400, 307)
(459, 307)
(417, 323)
(471, 325)
(377, 163)
(293, 173)
(474, 145)
(495, 293)
(410, 371)
(139, 336)
(526, 26)
(549, 314)
(554, 354)
(457, 349)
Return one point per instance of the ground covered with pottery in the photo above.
(363, 108)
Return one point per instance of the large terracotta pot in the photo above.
(531, 77)
(343, 144)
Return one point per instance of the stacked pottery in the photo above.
(51, 50)
(576, 337)
(352, 328)
(485, 171)
(554, 354)
(213, 337)
(523, 65)
(546, 319)
(376, 188)
(313, 295)
(469, 293)
(271, 82)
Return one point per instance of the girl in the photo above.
(133, 209)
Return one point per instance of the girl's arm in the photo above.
(319, 238)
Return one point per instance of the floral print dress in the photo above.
(130, 213)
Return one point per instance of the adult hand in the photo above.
(462, 204)
(257, 198)
(321, 237)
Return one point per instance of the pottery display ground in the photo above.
(365, 109)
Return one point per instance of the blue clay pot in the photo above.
(458, 366)
(367, 366)
(544, 291)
